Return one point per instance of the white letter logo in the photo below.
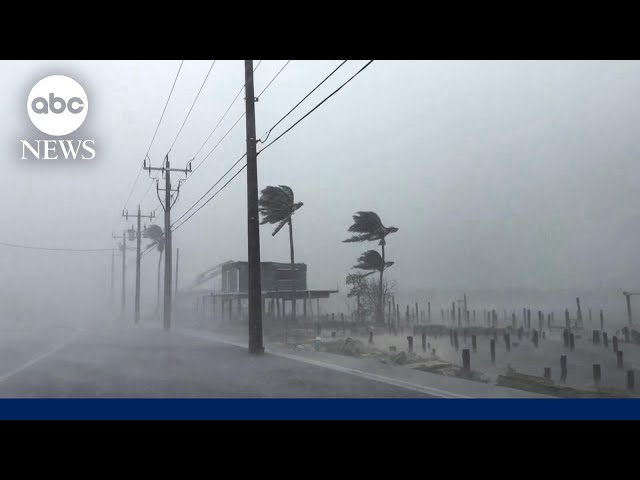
(57, 105)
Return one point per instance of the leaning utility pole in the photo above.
(125, 214)
(167, 205)
(253, 225)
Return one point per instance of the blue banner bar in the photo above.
(317, 409)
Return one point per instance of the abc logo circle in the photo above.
(57, 105)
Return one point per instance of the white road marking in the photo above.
(41, 357)
(435, 392)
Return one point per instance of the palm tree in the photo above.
(368, 227)
(156, 235)
(277, 206)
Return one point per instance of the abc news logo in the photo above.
(58, 106)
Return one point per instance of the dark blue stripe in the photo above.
(325, 409)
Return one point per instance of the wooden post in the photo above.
(424, 342)
(571, 341)
(567, 323)
(474, 317)
(565, 337)
(429, 312)
(615, 343)
(596, 337)
(563, 367)
(333, 334)
(625, 330)
(507, 341)
(619, 358)
(493, 351)
(590, 321)
(370, 337)
(535, 338)
(466, 360)
(410, 341)
(605, 340)
(597, 374)
(528, 319)
(455, 339)
(601, 320)
(547, 372)
(579, 311)
(540, 320)
(473, 343)
(513, 320)
(630, 380)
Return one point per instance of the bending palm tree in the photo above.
(277, 205)
(368, 227)
(156, 235)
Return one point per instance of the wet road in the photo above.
(146, 362)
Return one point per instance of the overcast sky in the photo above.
(496, 173)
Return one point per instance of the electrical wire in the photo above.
(303, 99)
(192, 105)
(314, 108)
(272, 80)
(272, 142)
(224, 115)
(146, 155)
(15, 245)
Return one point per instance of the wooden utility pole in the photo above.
(138, 237)
(123, 248)
(175, 294)
(253, 225)
(167, 205)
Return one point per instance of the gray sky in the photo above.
(497, 173)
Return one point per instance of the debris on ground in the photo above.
(451, 370)
(348, 346)
(546, 386)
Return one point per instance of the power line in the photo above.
(314, 108)
(276, 76)
(237, 121)
(154, 136)
(303, 99)
(192, 105)
(165, 109)
(15, 245)
(212, 197)
(212, 187)
(223, 117)
(276, 139)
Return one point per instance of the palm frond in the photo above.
(276, 205)
(371, 260)
(368, 227)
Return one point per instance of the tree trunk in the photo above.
(379, 314)
(293, 282)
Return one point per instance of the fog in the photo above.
(504, 178)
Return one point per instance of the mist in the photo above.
(511, 181)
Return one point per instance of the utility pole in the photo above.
(123, 248)
(138, 236)
(167, 205)
(175, 295)
(253, 225)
